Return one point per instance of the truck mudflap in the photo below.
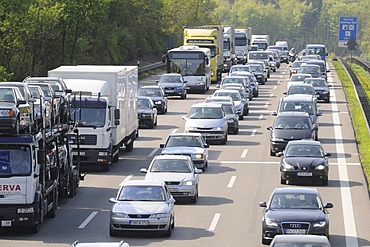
(11, 216)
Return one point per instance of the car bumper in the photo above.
(304, 175)
(322, 96)
(271, 232)
(182, 191)
(139, 224)
(211, 136)
(197, 87)
(174, 92)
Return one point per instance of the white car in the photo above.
(179, 174)
(297, 79)
(100, 244)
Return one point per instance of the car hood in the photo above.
(145, 110)
(182, 150)
(291, 215)
(205, 123)
(321, 89)
(8, 105)
(293, 134)
(304, 161)
(169, 176)
(140, 207)
(170, 84)
(156, 98)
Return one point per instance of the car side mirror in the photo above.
(154, 106)
(206, 145)
(328, 71)
(328, 205)
(185, 81)
(328, 155)
(269, 128)
(143, 170)
(112, 200)
(161, 145)
(156, 81)
(263, 204)
(198, 171)
(279, 154)
(274, 113)
(285, 93)
(319, 114)
(171, 200)
(184, 117)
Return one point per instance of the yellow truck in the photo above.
(209, 36)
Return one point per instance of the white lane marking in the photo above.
(88, 219)
(153, 152)
(278, 82)
(126, 179)
(268, 162)
(213, 225)
(253, 133)
(275, 87)
(231, 182)
(174, 131)
(347, 204)
(260, 117)
(266, 105)
(271, 94)
(284, 72)
(281, 76)
(244, 154)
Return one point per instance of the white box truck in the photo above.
(243, 36)
(261, 40)
(105, 104)
(229, 47)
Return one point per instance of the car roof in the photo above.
(204, 104)
(12, 83)
(150, 87)
(305, 141)
(299, 97)
(226, 91)
(301, 85)
(315, 239)
(172, 157)
(185, 134)
(241, 73)
(100, 244)
(309, 65)
(148, 98)
(143, 183)
(296, 189)
(292, 114)
(171, 74)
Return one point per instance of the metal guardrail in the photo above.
(150, 67)
(360, 92)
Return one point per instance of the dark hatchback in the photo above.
(289, 126)
(147, 112)
(304, 161)
(158, 96)
(321, 88)
(294, 210)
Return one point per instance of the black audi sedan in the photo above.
(294, 210)
(289, 126)
(304, 160)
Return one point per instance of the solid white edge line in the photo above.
(244, 153)
(215, 219)
(231, 182)
(88, 219)
(126, 179)
(174, 131)
(260, 117)
(153, 152)
(347, 203)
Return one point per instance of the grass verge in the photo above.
(357, 117)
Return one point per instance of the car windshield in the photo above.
(292, 123)
(299, 77)
(35, 92)
(234, 96)
(240, 68)
(297, 64)
(232, 80)
(143, 104)
(309, 69)
(300, 244)
(150, 92)
(301, 90)
(304, 150)
(255, 68)
(7, 95)
(183, 141)
(258, 55)
(170, 165)
(205, 113)
(45, 88)
(228, 109)
(295, 201)
(316, 83)
(142, 193)
(170, 79)
(297, 106)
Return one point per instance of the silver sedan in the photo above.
(142, 205)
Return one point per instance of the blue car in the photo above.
(173, 85)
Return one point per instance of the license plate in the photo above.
(170, 91)
(174, 189)
(139, 222)
(295, 231)
(76, 153)
(304, 174)
(6, 223)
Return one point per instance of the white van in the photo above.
(283, 44)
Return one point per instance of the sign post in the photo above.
(347, 30)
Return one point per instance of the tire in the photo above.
(194, 198)
(241, 117)
(106, 167)
(274, 70)
(151, 125)
(265, 81)
(115, 158)
(183, 96)
(168, 233)
(282, 181)
(72, 187)
(130, 146)
(272, 153)
(113, 233)
(236, 131)
(265, 241)
(325, 181)
(223, 142)
(156, 121)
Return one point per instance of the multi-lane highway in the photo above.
(240, 175)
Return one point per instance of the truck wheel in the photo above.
(130, 146)
(106, 167)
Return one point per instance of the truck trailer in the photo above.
(229, 48)
(243, 37)
(209, 36)
(111, 92)
(261, 40)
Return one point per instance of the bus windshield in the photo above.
(187, 64)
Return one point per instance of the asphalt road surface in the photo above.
(240, 175)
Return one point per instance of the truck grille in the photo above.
(85, 139)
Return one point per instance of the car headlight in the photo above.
(231, 120)
(190, 128)
(147, 115)
(179, 88)
(325, 92)
(218, 128)
(320, 167)
(197, 156)
(7, 113)
(288, 166)
(119, 215)
(239, 106)
(25, 210)
(319, 224)
(159, 216)
(277, 140)
(189, 183)
(271, 223)
(158, 102)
